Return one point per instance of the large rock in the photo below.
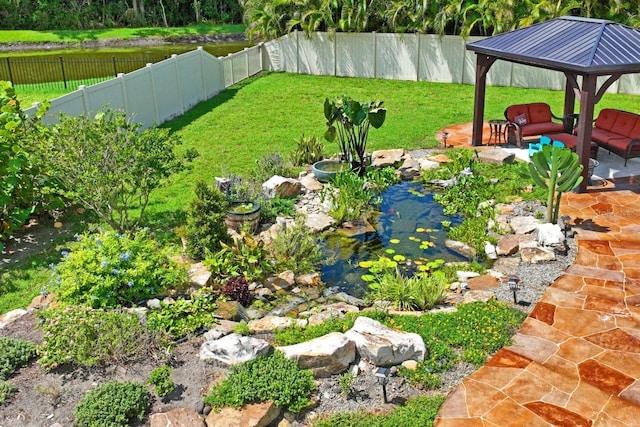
(233, 349)
(253, 415)
(536, 255)
(509, 244)
(426, 164)
(496, 156)
(524, 224)
(231, 310)
(310, 182)
(274, 323)
(483, 282)
(181, 417)
(325, 356)
(409, 170)
(384, 158)
(335, 310)
(478, 296)
(550, 234)
(461, 248)
(199, 275)
(282, 187)
(308, 279)
(384, 346)
(11, 317)
(319, 221)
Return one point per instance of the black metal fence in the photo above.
(68, 72)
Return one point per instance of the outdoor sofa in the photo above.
(531, 119)
(619, 132)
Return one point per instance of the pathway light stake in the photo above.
(514, 284)
(382, 375)
(444, 138)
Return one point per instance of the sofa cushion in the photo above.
(621, 144)
(603, 135)
(635, 132)
(539, 112)
(540, 128)
(521, 119)
(606, 118)
(516, 110)
(624, 123)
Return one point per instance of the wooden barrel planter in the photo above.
(243, 214)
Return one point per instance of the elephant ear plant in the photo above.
(350, 121)
(557, 170)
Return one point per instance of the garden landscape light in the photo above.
(382, 375)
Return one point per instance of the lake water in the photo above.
(409, 223)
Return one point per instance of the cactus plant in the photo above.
(557, 170)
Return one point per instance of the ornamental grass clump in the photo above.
(113, 404)
(108, 270)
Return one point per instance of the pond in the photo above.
(409, 223)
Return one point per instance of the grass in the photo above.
(76, 36)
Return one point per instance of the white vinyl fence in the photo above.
(162, 91)
(419, 57)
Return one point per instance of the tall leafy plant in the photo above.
(557, 170)
(350, 120)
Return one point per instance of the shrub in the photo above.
(14, 354)
(108, 164)
(345, 382)
(268, 166)
(205, 227)
(111, 270)
(85, 337)
(237, 289)
(160, 379)
(295, 248)
(348, 197)
(246, 256)
(6, 390)
(113, 404)
(272, 377)
(308, 151)
(184, 316)
(275, 206)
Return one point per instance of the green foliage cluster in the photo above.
(295, 248)
(111, 270)
(184, 316)
(419, 292)
(268, 166)
(205, 228)
(21, 184)
(86, 337)
(7, 388)
(113, 404)
(245, 256)
(14, 354)
(268, 19)
(160, 379)
(57, 15)
(308, 151)
(294, 334)
(272, 377)
(345, 382)
(277, 206)
(418, 411)
(108, 163)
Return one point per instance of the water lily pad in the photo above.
(367, 277)
(399, 258)
(394, 241)
(365, 264)
(390, 251)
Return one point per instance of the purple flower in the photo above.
(115, 271)
(99, 242)
(125, 256)
(77, 237)
(64, 253)
(130, 283)
(104, 264)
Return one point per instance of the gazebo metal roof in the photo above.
(577, 47)
(568, 43)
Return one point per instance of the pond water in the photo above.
(409, 223)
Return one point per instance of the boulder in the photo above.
(483, 282)
(199, 275)
(509, 244)
(384, 346)
(279, 186)
(506, 266)
(496, 156)
(230, 310)
(426, 164)
(357, 227)
(309, 279)
(324, 356)
(319, 221)
(524, 224)
(536, 255)
(41, 302)
(335, 310)
(274, 323)
(180, 417)
(463, 276)
(476, 296)
(461, 248)
(384, 158)
(409, 170)
(310, 182)
(550, 234)
(349, 299)
(220, 329)
(490, 250)
(252, 415)
(233, 349)
(282, 281)
(11, 317)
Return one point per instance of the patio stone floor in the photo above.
(576, 359)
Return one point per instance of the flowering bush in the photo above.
(110, 270)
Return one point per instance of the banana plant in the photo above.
(349, 120)
(557, 170)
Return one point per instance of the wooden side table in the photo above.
(498, 132)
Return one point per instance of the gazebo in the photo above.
(578, 47)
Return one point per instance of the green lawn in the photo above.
(76, 36)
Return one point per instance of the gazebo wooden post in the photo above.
(569, 102)
(583, 148)
(483, 63)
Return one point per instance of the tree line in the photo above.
(273, 18)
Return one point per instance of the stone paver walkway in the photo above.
(576, 359)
